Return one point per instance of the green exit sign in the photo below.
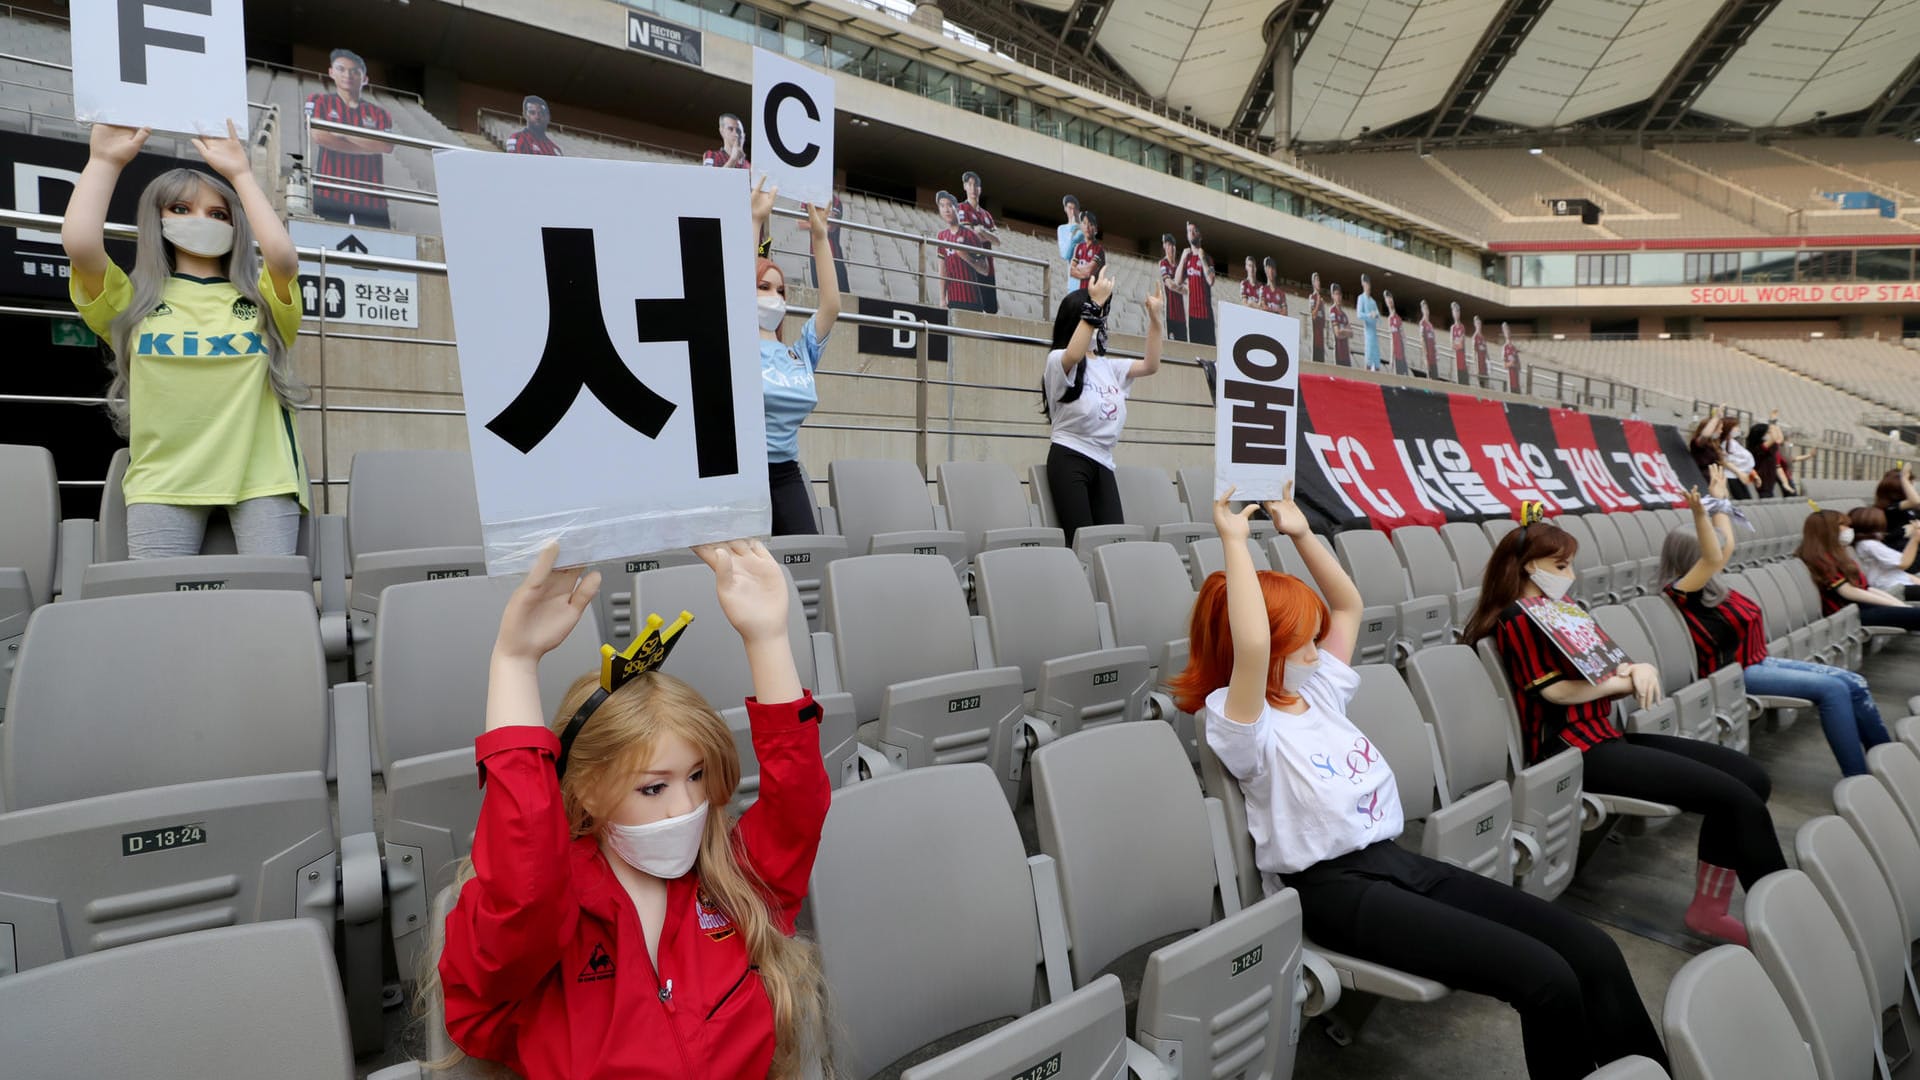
(73, 334)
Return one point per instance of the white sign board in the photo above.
(172, 65)
(1257, 407)
(609, 353)
(793, 106)
(353, 294)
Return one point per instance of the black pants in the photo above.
(1084, 491)
(1200, 329)
(792, 502)
(989, 297)
(1737, 487)
(1722, 785)
(1577, 1003)
(1906, 618)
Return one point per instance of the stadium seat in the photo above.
(1206, 556)
(1431, 571)
(1639, 531)
(1495, 528)
(1805, 953)
(1786, 637)
(714, 661)
(1866, 804)
(1630, 1068)
(1593, 575)
(29, 545)
(1194, 484)
(1140, 853)
(1042, 618)
(1284, 555)
(984, 500)
(1415, 622)
(613, 604)
(1897, 766)
(1147, 499)
(1086, 540)
(1725, 1021)
(412, 515)
(1613, 550)
(1456, 696)
(249, 1000)
(1673, 654)
(1837, 861)
(911, 656)
(883, 509)
(1663, 717)
(1149, 596)
(932, 848)
(1470, 547)
(1081, 1036)
(436, 640)
(163, 770)
(320, 555)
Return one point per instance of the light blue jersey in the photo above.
(786, 378)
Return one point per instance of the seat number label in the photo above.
(442, 575)
(1102, 678)
(926, 551)
(172, 836)
(1484, 825)
(198, 586)
(1043, 1071)
(1246, 960)
(797, 558)
(962, 704)
(1565, 781)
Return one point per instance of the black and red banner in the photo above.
(1385, 456)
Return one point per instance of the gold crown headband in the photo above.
(1532, 512)
(617, 668)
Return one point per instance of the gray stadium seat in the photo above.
(412, 515)
(1613, 551)
(1630, 1068)
(932, 848)
(1418, 622)
(250, 1000)
(1147, 499)
(1837, 861)
(1898, 767)
(1457, 697)
(1140, 855)
(1194, 484)
(1284, 555)
(1081, 1037)
(1593, 575)
(1786, 637)
(1642, 547)
(1149, 600)
(1042, 618)
(984, 500)
(910, 655)
(1674, 656)
(428, 707)
(1206, 556)
(1628, 632)
(1348, 972)
(1431, 570)
(1866, 805)
(1088, 539)
(714, 662)
(883, 509)
(1805, 953)
(1725, 1021)
(1495, 528)
(613, 604)
(188, 789)
(1470, 548)
(29, 545)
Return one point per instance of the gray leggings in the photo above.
(265, 526)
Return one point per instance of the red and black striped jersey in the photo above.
(1830, 599)
(1730, 632)
(344, 165)
(526, 141)
(962, 279)
(718, 160)
(1534, 663)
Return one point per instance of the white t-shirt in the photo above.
(1881, 564)
(1316, 787)
(1738, 456)
(1090, 425)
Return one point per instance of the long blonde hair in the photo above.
(617, 743)
(153, 264)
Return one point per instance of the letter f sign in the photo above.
(136, 35)
(579, 352)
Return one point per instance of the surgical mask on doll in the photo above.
(1846, 537)
(1295, 674)
(664, 849)
(200, 236)
(1550, 583)
(773, 309)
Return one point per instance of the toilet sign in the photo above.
(1256, 403)
(608, 354)
(793, 142)
(172, 65)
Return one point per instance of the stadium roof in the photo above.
(1483, 70)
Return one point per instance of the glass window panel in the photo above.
(1888, 264)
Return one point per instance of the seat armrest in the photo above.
(76, 554)
(1033, 536)
(1775, 701)
(826, 668)
(361, 888)
(1629, 807)
(1054, 939)
(1882, 631)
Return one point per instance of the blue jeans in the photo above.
(1847, 711)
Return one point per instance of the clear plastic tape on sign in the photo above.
(593, 533)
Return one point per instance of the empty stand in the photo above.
(984, 500)
(412, 515)
(1803, 949)
(882, 508)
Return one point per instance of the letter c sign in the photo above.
(793, 106)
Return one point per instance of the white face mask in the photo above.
(1552, 584)
(1295, 675)
(198, 235)
(1846, 537)
(664, 849)
(773, 309)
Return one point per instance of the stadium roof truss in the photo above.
(1378, 73)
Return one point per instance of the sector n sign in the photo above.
(658, 37)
